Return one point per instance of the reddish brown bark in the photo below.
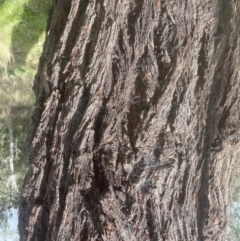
(135, 132)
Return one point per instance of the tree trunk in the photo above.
(135, 132)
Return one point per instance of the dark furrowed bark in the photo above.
(135, 132)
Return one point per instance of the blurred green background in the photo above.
(22, 24)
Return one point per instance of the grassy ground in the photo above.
(22, 24)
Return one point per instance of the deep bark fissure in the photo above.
(73, 124)
(135, 8)
(75, 28)
(201, 63)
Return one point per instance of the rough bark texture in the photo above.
(135, 132)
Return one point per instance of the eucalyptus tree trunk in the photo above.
(135, 132)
